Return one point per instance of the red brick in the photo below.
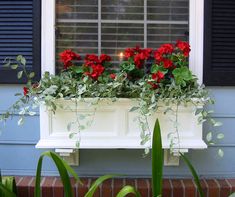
(213, 188)
(143, 187)
(83, 189)
(189, 188)
(224, 188)
(167, 190)
(31, 188)
(47, 189)
(107, 188)
(131, 182)
(178, 190)
(23, 187)
(232, 183)
(58, 190)
(117, 185)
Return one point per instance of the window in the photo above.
(20, 35)
(104, 26)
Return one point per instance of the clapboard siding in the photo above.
(18, 142)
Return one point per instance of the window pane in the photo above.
(76, 9)
(121, 24)
(116, 37)
(122, 9)
(168, 10)
(159, 34)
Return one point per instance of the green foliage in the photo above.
(63, 169)
(157, 160)
(7, 186)
(96, 184)
(194, 173)
(128, 190)
(182, 75)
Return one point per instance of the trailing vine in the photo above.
(149, 76)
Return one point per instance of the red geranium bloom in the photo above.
(158, 56)
(184, 47)
(166, 48)
(167, 63)
(104, 57)
(97, 70)
(67, 56)
(158, 76)
(25, 91)
(128, 53)
(113, 76)
(91, 59)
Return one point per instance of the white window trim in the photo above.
(196, 23)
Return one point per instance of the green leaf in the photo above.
(157, 160)
(21, 59)
(9, 183)
(133, 109)
(19, 74)
(220, 136)
(20, 121)
(14, 66)
(63, 169)
(6, 192)
(220, 152)
(31, 75)
(194, 173)
(209, 136)
(128, 190)
(182, 75)
(218, 124)
(96, 184)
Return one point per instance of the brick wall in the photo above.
(52, 187)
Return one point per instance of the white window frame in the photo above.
(196, 23)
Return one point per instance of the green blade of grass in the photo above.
(6, 192)
(63, 169)
(194, 173)
(96, 184)
(157, 160)
(128, 190)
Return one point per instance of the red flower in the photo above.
(91, 59)
(184, 47)
(67, 56)
(25, 91)
(158, 76)
(154, 85)
(104, 58)
(147, 52)
(167, 63)
(158, 56)
(97, 70)
(166, 48)
(113, 76)
(128, 53)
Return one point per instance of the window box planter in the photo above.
(114, 126)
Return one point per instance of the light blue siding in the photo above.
(19, 157)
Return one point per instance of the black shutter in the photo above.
(20, 26)
(219, 43)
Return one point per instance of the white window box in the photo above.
(114, 126)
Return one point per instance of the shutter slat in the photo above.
(19, 35)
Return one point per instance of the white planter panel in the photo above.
(114, 126)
